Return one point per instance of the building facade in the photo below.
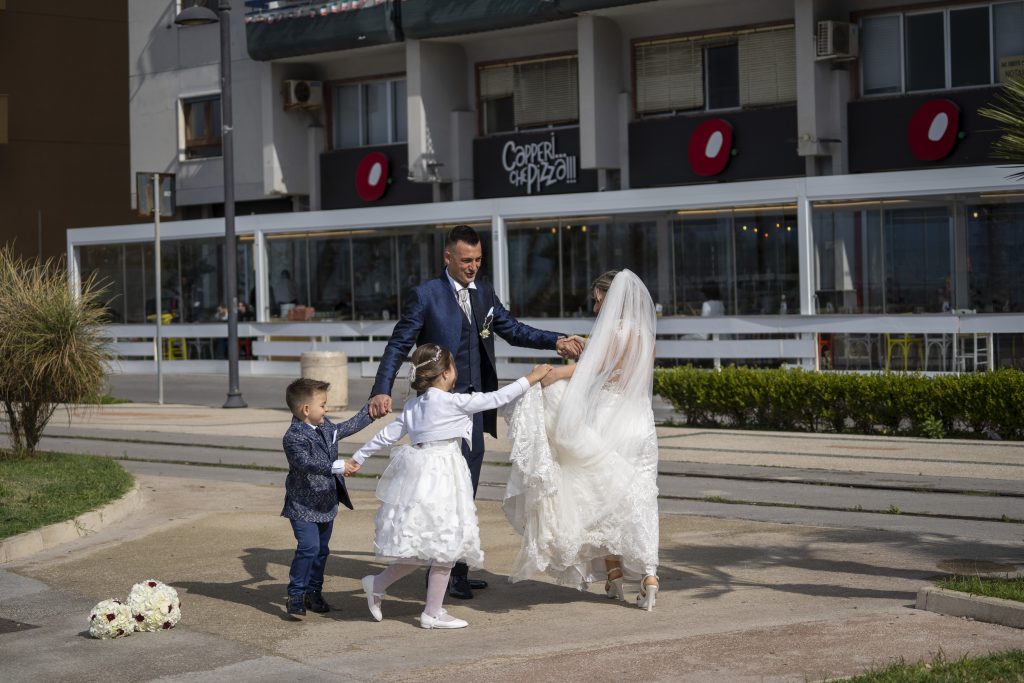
(64, 149)
(795, 180)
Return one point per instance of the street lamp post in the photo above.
(194, 16)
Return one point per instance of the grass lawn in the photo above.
(53, 487)
(1008, 589)
(1003, 667)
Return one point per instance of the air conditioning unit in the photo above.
(837, 40)
(303, 94)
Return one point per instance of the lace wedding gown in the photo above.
(583, 483)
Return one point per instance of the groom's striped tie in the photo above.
(464, 303)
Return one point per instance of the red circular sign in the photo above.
(933, 129)
(710, 147)
(372, 177)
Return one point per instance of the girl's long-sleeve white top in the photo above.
(437, 415)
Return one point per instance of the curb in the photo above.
(37, 540)
(977, 607)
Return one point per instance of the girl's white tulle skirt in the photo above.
(427, 514)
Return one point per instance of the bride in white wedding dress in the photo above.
(583, 487)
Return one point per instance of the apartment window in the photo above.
(925, 51)
(202, 126)
(371, 113)
(881, 61)
(722, 76)
(747, 68)
(939, 49)
(529, 94)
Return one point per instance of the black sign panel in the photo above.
(339, 182)
(763, 146)
(879, 132)
(530, 164)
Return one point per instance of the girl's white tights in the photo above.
(437, 583)
(437, 586)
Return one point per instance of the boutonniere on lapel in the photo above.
(485, 329)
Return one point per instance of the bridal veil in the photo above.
(584, 452)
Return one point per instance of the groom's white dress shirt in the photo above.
(437, 415)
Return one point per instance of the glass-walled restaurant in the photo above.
(717, 275)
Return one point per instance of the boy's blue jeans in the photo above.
(307, 572)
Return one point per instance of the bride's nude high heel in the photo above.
(648, 594)
(613, 586)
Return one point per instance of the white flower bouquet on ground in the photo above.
(110, 619)
(154, 606)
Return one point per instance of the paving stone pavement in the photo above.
(793, 598)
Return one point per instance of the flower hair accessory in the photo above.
(416, 366)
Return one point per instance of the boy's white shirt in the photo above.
(334, 434)
(439, 415)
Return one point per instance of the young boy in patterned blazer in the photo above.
(311, 490)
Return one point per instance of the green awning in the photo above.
(277, 35)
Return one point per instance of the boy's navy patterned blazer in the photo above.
(311, 490)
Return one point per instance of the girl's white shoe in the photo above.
(373, 600)
(442, 620)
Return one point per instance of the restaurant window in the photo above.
(192, 284)
(202, 126)
(356, 275)
(555, 260)
(891, 257)
(995, 240)
(940, 49)
(716, 71)
(528, 94)
(371, 113)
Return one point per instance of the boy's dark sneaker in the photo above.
(295, 606)
(315, 601)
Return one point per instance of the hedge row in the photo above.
(985, 404)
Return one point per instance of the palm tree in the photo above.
(1008, 110)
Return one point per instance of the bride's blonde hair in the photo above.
(603, 282)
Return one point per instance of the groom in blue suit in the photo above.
(462, 314)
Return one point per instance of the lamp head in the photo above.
(196, 15)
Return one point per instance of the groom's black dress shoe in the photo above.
(477, 584)
(315, 601)
(459, 587)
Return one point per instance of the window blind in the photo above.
(496, 81)
(546, 92)
(881, 62)
(767, 67)
(669, 76)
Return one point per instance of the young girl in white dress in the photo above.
(427, 515)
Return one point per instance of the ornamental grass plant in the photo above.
(52, 348)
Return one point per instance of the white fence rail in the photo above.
(274, 348)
